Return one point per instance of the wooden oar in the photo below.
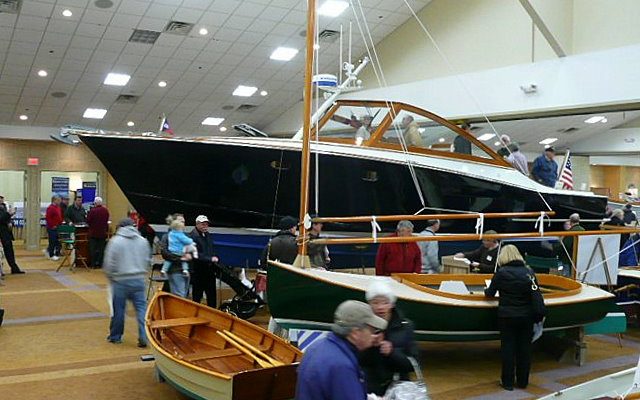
(262, 363)
(262, 354)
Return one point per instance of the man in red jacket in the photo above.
(98, 221)
(399, 257)
(53, 216)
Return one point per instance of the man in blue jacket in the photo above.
(329, 369)
(545, 169)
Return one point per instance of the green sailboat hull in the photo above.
(301, 301)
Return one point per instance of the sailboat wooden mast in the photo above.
(302, 259)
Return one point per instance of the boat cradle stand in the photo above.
(567, 346)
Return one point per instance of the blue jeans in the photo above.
(129, 289)
(179, 284)
(54, 244)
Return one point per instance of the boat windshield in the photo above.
(354, 123)
(422, 132)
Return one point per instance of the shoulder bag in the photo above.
(408, 390)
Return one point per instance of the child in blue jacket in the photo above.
(179, 245)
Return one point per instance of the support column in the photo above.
(32, 210)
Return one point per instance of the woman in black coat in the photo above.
(515, 315)
(389, 356)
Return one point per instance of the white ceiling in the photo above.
(201, 71)
(529, 132)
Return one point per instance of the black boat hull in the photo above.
(252, 187)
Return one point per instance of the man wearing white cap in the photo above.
(329, 369)
(204, 270)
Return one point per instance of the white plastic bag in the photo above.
(408, 390)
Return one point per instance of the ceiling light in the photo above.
(203, 31)
(604, 120)
(212, 121)
(496, 143)
(162, 83)
(23, 117)
(94, 113)
(42, 73)
(546, 146)
(441, 140)
(595, 119)
(131, 123)
(332, 8)
(486, 137)
(245, 91)
(264, 93)
(548, 140)
(223, 129)
(67, 13)
(116, 79)
(283, 54)
(316, 46)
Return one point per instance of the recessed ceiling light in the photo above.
(548, 140)
(283, 54)
(441, 140)
(131, 123)
(546, 146)
(203, 31)
(94, 113)
(42, 73)
(486, 137)
(223, 129)
(332, 8)
(212, 121)
(67, 13)
(162, 83)
(23, 117)
(116, 79)
(496, 143)
(264, 93)
(245, 91)
(595, 119)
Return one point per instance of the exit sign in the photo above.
(33, 161)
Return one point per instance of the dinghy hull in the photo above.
(304, 299)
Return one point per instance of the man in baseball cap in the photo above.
(205, 265)
(329, 368)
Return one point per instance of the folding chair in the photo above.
(156, 278)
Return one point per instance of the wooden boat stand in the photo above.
(568, 348)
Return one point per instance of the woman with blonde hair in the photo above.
(515, 315)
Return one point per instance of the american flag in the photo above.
(566, 175)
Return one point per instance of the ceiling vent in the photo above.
(246, 107)
(228, 107)
(103, 3)
(143, 36)
(10, 6)
(58, 95)
(127, 99)
(178, 28)
(568, 130)
(328, 36)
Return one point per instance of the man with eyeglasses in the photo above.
(329, 369)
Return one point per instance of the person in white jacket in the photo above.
(429, 250)
(126, 264)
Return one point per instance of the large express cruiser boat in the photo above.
(372, 158)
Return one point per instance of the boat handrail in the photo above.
(461, 237)
(417, 281)
(422, 217)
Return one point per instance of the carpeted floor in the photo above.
(53, 347)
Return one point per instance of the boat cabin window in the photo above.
(421, 132)
(355, 123)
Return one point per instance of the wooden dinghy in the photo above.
(209, 354)
(306, 298)
(609, 387)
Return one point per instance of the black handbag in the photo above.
(539, 310)
(1, 315)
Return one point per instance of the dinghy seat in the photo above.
(174, 322)
(211, 354)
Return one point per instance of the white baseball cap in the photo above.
(202, 218)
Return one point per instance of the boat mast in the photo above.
(302, 259)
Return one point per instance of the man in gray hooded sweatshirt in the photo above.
(126, 264)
